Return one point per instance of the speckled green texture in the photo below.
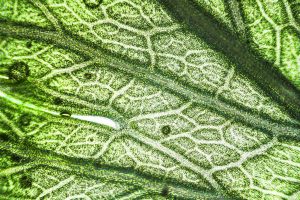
(188, 124)
(271, 26)
(218, 8)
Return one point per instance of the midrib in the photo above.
(136, 69)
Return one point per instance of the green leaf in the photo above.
(120, 99)
(271, 27)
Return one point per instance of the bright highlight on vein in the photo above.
(98, 120)
(4, 77)
(90, 118)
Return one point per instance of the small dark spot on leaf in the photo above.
(97, 164)
(166, 130)
(26, 181)
(92, 3)
(25, 120)
(4, 137)
(65, 113)
(165, 191)
(248, 41)
(15, 158)
(88, 76)
(57, 101)
(29, 44)
(18, 72)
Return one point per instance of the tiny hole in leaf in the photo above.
(25, 181)
(92, 3)
(65, 113)
(166, 130)
(88, 76)
(25, 120)
(4, 137)
(165, 191)
(57, 101)
(18, 72)
(97, 164)
(15, 158)
(29, 44)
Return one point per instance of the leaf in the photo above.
(120, 100)
(271, 27)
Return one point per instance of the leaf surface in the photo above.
(121, 101)
(271, 27)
